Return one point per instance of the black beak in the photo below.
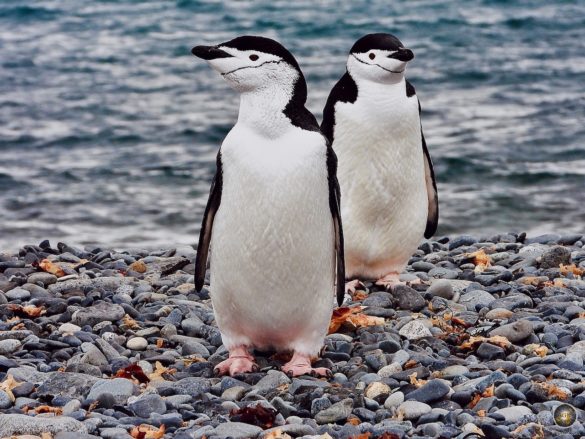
(209, 52)
(402, 54)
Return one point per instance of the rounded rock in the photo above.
(137, 344)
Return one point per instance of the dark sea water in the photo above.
(109, 126)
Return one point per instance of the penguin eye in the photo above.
(372, 55)
(253, 57)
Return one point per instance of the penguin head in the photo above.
(378, 58)
(250, 63)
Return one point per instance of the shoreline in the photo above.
(492, 340)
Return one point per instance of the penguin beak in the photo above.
(402, 54)
(209, 52)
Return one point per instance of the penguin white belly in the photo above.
(383, 191)
(272, 249)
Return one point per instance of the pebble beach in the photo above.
(485, 340)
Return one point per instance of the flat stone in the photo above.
(147, 404)
(337, 412)
(414, 330)
(68, 328)
(499, 314)
(101, 312)
(555, 256)
(9, 346)
(236, 430)
(515, 413)
(120, 388)
(18, 294)
(514, 332)
(69, 384)
(15, 424)
(41, 277)
(271, 381)
(412, 410)
(27, 374)
(476, 297)
(137, 344)
(408, 298)
(377, 390)
(433, 390)
(394, 400)
(441, 288)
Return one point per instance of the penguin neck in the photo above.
(262, 110)
(381, 90)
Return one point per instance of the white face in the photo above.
(376, 65)
(248, 70)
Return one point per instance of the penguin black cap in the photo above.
(244, 43)
(382, 41)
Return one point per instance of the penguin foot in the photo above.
(300, 364)
(390, 280)
(239, 361)
(352, 286)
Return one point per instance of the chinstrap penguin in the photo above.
(372, 119)
(272, 221)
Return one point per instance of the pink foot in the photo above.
(393, 279)
(300, 364)
(239, 361)
(351, 286)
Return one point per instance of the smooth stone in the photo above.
(433, 390)
(394, 400)
(69, 384)
(412, 410)
(101, 312)
(441, 288)
(42, 277)
(555, 256)
(460, 241)
(93, 355)
(389, 370)
(236, 430)
(377, 390)
(14, 424)
(5, 400)
(515, 413)
(9, 346)
(474, 298)
(137, 344)
(18, 294)
(488, 351)
(120, 388)
(337, 412)
(407, 298)
(514, 332)
(272, 380)
(451, 372)
(415, 330)
(147, 404)
(68, 328)
(499, 314)
(27, 374)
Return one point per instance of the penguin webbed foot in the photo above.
(239, 361)
(352, 286)
(300, 364)
(392, 279)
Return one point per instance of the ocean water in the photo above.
(109, 126)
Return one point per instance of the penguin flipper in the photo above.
(433, 212)
(206, 227)
(334, 203)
